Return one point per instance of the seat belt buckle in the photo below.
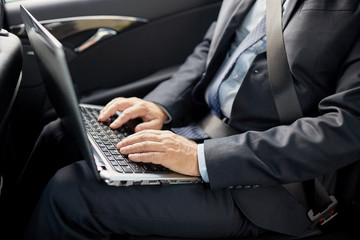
(325, 216)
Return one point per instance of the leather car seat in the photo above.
(10, 79)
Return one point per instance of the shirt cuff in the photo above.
(167, 113)
(202, 163)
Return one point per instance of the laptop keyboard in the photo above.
(107, 138)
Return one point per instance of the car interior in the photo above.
(10, 80)
(113, 48)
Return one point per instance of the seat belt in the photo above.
(281, 82)
(288, 107)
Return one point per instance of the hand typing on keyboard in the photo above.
(151, 114)
(148, 144)
(172, 151)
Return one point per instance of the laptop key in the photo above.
(110, 147)
(113, 162)
(145, 168)
(155, 168)
(114, 140)
(163, 169)
(107, 153)
(118, 157)
(101, 145)
(136, 168)
(127, 169)
(118, 168)
(122, 163)
(115, 152)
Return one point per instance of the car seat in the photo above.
(10, 78)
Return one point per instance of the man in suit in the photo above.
(245, 172)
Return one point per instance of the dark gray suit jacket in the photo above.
(322, 40)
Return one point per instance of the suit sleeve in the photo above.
(175, 94)
(308, 148)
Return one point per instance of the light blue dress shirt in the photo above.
(230, 86)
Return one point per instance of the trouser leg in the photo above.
(75, 205)
(53, 150)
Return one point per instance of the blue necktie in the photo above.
(191, 132)
(254, 36)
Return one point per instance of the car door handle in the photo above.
(101, 34)
(65, 27)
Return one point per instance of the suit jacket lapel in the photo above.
(289, 12)
(236, 9)
(226, 26)
(224, 30)
(222, 35)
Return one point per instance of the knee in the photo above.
(52, 130)
(62, 183)
(63, 207)
(64, 191)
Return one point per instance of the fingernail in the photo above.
(123, 150)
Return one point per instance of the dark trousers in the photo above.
(74, 205)
(53, 150)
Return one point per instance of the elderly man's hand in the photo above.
(162, 147)
(152, 115)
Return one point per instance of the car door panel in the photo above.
(163, 34)
(157, 44)
(135, 88)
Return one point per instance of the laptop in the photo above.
(96, 141)
(1, 13)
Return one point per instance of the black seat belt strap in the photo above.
(289, 109)
(279, 71)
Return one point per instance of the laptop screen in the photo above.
(58, 83)
(1, 14)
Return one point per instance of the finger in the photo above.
(107, 106)
(155, 124)
(109, 103)
(147, 135)
(121, 100)
(129, 113)
(142, 147)
(110, 109)
(153, 157)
